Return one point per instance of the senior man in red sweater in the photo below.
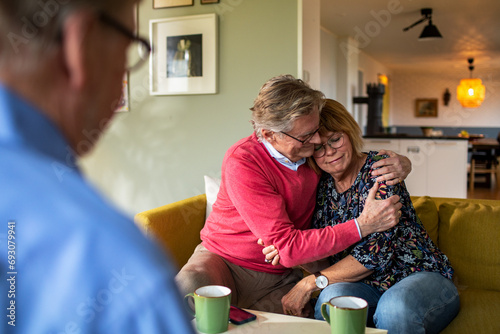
(268, 192)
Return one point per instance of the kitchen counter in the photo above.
(439, 164)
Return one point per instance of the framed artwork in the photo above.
(184, 57)
(123, 104)
(426, 108)
(171, 3)
(204, 2)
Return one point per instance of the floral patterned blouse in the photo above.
(391, 255)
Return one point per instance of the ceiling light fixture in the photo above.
(430, 31)
(471, 91)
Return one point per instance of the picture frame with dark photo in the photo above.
(184, 60)
(426, 108)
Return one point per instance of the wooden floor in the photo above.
(485, 190)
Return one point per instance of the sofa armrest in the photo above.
(176, 226)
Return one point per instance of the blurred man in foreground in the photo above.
(73, 263)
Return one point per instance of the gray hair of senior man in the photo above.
(32, 27)
(281, 101)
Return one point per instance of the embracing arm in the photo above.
(377, 216)
(279, 211)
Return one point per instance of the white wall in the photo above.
(159, 151)
(329, 45)
(371, 68)
(407, 87)
(311, 43)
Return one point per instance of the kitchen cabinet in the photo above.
(439, 165)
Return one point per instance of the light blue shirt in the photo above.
(281, 158)
(77, 265)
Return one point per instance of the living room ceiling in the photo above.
(470, 29)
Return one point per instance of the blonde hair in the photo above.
(281, 101)
(334, 117)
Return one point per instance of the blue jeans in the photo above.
(423, 302)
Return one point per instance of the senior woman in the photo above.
(403, 276)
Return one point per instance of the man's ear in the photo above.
(76, 46)
(268, 135)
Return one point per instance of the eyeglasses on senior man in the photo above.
(335, 142)
(138, 50)
(306, 137)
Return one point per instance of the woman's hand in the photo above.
(393, 169)
(296, 301)
(379, 215)
(270, 253)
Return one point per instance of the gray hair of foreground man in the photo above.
(281, 101)
(32, 27)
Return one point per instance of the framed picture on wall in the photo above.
(123, 104)
(184, 57)
(426, 108)
(171, 3)
(204, 2)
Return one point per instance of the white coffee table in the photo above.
(272, 323)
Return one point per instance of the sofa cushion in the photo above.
(469, 234)
(478, 311)
(428, 213)
(176, 226)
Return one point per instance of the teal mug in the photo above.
(211, 308)
(347, 314)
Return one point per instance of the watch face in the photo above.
(321, 281)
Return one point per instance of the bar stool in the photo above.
(482, 164)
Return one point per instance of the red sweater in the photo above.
(261, 198)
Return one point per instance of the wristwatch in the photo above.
(321, 280)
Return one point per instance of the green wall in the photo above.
(159, 151)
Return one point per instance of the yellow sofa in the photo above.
(468, 231)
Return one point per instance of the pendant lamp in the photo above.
(471, 91)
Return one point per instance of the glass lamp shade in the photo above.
(470, 93)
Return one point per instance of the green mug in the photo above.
(347, 314)
(211, 308)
